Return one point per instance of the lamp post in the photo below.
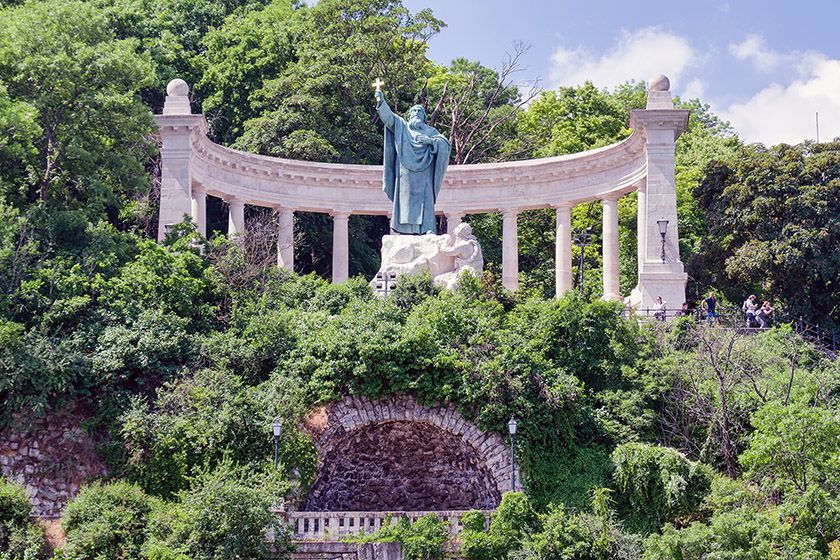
(663, 229)
(512, 431)
(581, 239)
(277, 428)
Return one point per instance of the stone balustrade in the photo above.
(333, 525)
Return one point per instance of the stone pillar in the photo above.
(641, 225)
(177, 125)
(662, 125)
(453, 221)
(563, 249)
(341, 247)
(236, 217)
(610, 248)
(199, 208)
(285, 238)
(510, 250)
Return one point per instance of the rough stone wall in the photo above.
(401, 466)
(390, 453)
(51, 457)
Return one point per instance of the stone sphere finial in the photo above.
(177, 88)
(659, 82)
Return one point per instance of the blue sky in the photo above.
(766, 66)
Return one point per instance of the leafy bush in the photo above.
(794, 458)
(657, 484)
(566, 535)
(514, 521)
(20, 537)
(411, 289)
(195, 424)
(422, 540)
(107, 521)
(741, 533)
(224, 516)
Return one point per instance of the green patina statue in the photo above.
(415, 159)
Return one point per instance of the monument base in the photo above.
(445, 257)
(667, 284)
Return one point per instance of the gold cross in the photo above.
(378, 84)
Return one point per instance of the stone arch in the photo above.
(439, 461)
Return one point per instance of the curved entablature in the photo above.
(467, 189)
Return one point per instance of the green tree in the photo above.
(172, 33)
(774, 217)
(195, 424)
(573, 119)
(247, 50)
(794, 455)
(322, 107)
(60, 58)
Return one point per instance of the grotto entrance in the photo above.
(397, 455)
(402, 466)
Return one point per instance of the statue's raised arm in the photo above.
(415, 157)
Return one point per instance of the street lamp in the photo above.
(663, 229)
(512, 431)
(581, 239)
(277, 428)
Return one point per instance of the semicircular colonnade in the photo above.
(194, 167)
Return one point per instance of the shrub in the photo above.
(514, 521)
(657, 484)
(224, 516)
(107, 521)
(20, 538)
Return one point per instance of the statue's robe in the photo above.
(413, 172)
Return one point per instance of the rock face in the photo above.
(51, 457)
(401, 466)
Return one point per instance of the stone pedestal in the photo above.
(446, 257)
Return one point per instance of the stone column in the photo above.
(453, 221)
(177, 126)
(199, 208)
(285, 238)
(341, 247)
(236, 217)
(563, 249)
(610, 248)
(641, 225)
(662, 125)
(510, 250)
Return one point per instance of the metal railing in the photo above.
(824, 339)
(725, 318)
(326, 525)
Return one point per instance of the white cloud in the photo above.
(786, 113)
(637, 55)
(754, 48)
(695, 89)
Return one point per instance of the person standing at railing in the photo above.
(750, 307)
(659, 309)
(711, 307)
(764, 313)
